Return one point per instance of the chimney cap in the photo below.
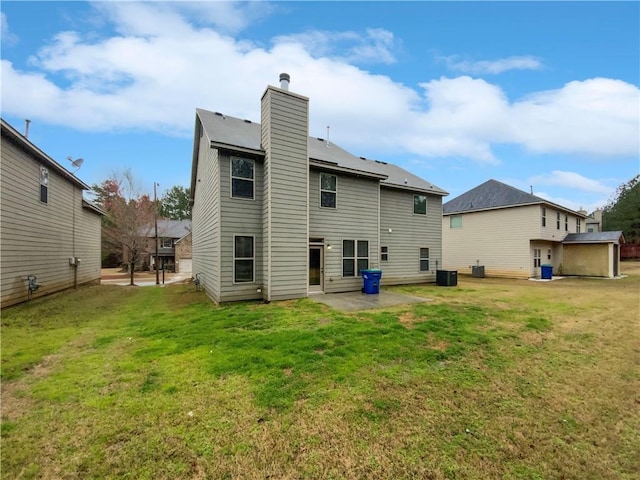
(284, 81)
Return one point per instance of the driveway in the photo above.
(114, 276)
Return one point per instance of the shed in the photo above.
(595, 254)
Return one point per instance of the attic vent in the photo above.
(219, 114)
(362, 158)
(247, 121)
(321, 139)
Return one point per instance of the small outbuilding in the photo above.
(594, 254)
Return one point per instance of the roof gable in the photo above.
(244, 135)
(493, 194)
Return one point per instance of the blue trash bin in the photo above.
(547, 272)
(371, 279)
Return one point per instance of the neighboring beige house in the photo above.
(278, 214)
(48, 232)
(512, 233)
(169, 233)
(594, 222)
(184, 248)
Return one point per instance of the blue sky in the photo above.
(540, 94)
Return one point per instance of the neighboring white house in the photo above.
(278, 214)
(48, 232)
(512, 233)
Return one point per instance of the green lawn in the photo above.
(490, 379)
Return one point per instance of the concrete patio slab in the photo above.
(353, 301)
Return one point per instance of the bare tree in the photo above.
(131, 216)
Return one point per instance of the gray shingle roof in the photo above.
(172, 228)
(235, 133)
(595, 237)
(493, 194)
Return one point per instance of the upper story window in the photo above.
(455, 221)
(166, 243)
(44, 185)
(328, 190)
(558, 220)
(544, 217)
(578, 224)
(566, 222)
(420, 204)
(242, 178)
(355, 257)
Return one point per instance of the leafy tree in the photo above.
(174, 203)
(130, 216)
(623, 211)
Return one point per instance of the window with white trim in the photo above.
(455, 221)
(424, 259)
(419, 204)
(242, 178)
(243, 259)
(558, 220)
(536, 257)
(384, 254)
(578, 224)
(44, 185)
(566, 222)
(328, 190)
(544, 217)
(166, 243)
(355, 257)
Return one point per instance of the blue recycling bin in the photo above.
(547, 272)
(371, 278)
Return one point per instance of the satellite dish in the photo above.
(77, 163)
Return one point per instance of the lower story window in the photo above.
(243, 259)
(424, 259)
(536, 257)
(384, 254)
(355, 257)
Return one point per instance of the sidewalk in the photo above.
(114, 276)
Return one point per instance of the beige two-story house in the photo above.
(278, 214)
(49, 234)
(502, 231)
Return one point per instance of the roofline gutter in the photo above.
(542, 202)
(395, 186)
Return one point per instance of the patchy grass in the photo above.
(492, 379)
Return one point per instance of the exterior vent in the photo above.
(362, 158)
(247, 121)
(219, 114)
(321, 139)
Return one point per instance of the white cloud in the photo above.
(161, 67)
(571, 180)
(8, 38)
(492, 67)
(376, 45)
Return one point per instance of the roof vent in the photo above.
(284, 81)
(362, 158)
(321, 139)
(219, 114)
(247, 121)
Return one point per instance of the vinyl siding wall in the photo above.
(38, 238)
(409, 233)
(285, 213)
(498, 239)
(206, 220)
(241, 216)
(355, 218)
